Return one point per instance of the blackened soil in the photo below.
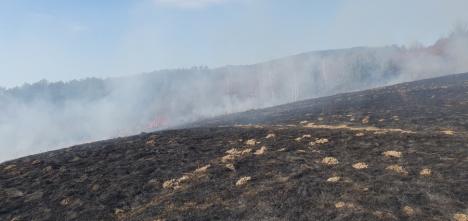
(281, 152)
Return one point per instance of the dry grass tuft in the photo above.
(150, 142)
(448, 132)
(175, 183)
(360, 166)
(243, 180)
(330, 161)
(261, 151)
(251, 142)
(66, 201)
(368, 128)
(460, 217)
(246, 151)
(230, 166)
(10, 167)
(303, 137)
(408, 211)
(118, 212)
(397, 168)
(321, 141)
(183, 178)
(270, 136)
(392, 153)
(340, 204)
(234, 153)
(202, 169)
(343, 205)
(333, 179)
(365, 120)
(171, 184)
(425, 172)
(228, 157)
(311, 125)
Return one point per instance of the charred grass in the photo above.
(282, 185)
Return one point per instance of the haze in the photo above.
(65, 40)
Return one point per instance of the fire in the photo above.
(158, 122)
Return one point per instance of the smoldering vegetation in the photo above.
(41, 116)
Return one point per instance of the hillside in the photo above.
(391, 153)
(94, 109)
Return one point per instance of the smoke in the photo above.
(46, 116)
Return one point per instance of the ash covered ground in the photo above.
(392, 153)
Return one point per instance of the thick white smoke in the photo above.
(45, 116)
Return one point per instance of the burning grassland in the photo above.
(305, 164)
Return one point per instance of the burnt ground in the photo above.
(392, 153)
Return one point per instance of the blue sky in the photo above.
(65, 39)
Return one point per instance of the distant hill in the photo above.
(37, 117)
(390, 153)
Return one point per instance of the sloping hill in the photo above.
(95, 109)
(392, 153)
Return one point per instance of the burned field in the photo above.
(393, 153)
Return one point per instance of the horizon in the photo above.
(85, 40)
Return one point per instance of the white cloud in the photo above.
(189, 3)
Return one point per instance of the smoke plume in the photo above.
(45, 116)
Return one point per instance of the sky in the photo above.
(65, 39)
